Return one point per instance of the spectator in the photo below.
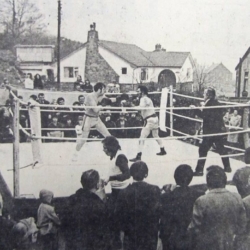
(138, 210)
(69, 125)
(44, 114)
(122, 124)
(23, 120)
(79, 84)
(5, 229)
(56, 132)
(134, 122)
(28, 83)
(47, 221)
(88, 222)
(241, 177)
(81, 101)
(119, 171)
(75, 115)
(118, 177)
(108, 121)
(217, 216)
(62, 115)
(241, 180)
(87, 87)
(235, 122)
(177, 208)
(24, 234)
(38, 83)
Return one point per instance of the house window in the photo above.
(245, 80)
(124, 71)
(144, 74)
(71, 72)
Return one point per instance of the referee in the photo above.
(212, 124)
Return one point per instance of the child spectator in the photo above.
(47, 221)
(57, 132)
(24, 234)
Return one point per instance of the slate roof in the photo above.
(139, 57)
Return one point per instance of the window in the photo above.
(144, 74)
(124, 71)
(245, 81)
(71, 72)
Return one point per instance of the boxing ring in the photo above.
(62, 176)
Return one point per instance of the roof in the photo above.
(129, 52)
(243, 58)
(212, 67)
(139, 57)
(34, 46)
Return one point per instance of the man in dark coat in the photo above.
(177, 208)
(217, 216)
(88, 222)
(212, 124)
(137, 210)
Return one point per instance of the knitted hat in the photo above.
(46, 196)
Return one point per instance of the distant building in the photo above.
(36, 59)
(220, 77)
(242, 73)
(113, 62)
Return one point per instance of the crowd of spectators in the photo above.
(137, 215)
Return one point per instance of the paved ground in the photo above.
(62, 176)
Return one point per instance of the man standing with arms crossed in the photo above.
(91, 117)
(151, 123)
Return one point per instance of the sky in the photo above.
(214, 31)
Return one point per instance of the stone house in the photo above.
(220, 77)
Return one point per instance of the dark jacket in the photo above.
(213, 118)
(88, 222)
(177, 209)
(137, 210)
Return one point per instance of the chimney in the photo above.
(158, 47)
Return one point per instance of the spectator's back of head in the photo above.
(241, 179)
(139, 170)
(183, 175)
(46, 196)
(247, 156)
(90, 179)
(216, 177)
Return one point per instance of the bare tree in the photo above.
(19, 18)
(200, 76)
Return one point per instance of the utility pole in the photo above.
(58, 45)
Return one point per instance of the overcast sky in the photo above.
(213, 31)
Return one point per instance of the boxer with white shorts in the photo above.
(151, 123)
(91, 117)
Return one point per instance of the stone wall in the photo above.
(96, 68)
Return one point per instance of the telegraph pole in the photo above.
(58, 45)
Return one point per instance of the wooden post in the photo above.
(171, 111)
(245, 126)
(59, 46)
(16, 161)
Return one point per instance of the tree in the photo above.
(19, 18)
(200, 76)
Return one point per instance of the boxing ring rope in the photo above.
(169, 110)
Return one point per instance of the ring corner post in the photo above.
(16, 159)
(171, 110)
(245, 127)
